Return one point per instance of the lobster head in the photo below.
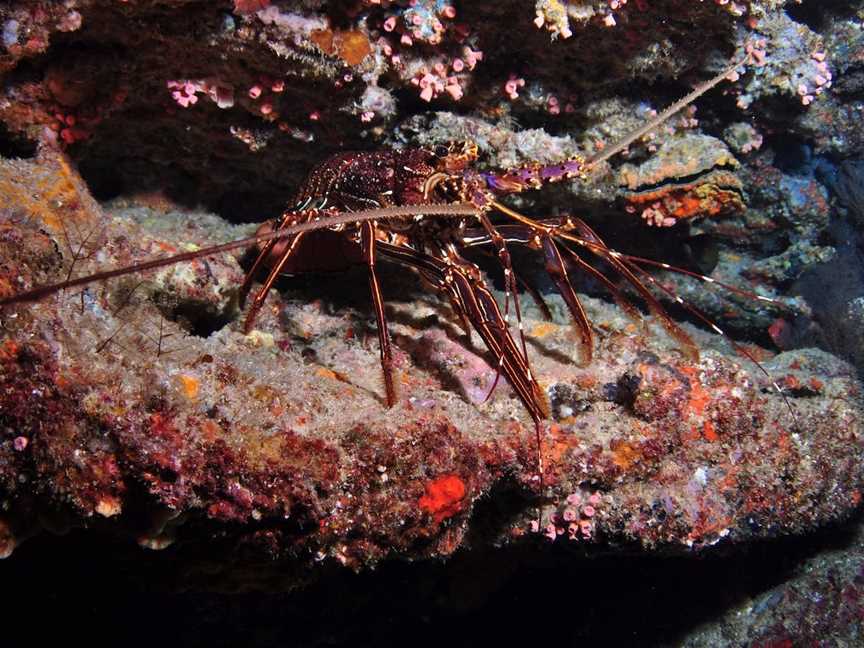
(453, 178)
(455, 157)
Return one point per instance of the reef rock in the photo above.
(136, 405)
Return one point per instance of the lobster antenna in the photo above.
(654, 122)
(385, 213)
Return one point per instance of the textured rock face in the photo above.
(139, 407)
(138, 404)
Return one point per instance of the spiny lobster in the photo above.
(418, 208)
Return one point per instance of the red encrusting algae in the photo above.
(443, 498)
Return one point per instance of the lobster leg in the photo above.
(367, 237)
(623, 303)
(275, 271)
(510, 288)
(262, 258)
(588, 239)
(528, 236)
(557, 271)
(539, 302)
(483, 312)
(253, 271)
(471, 297)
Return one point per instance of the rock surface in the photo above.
(138, 405)
(137, 409)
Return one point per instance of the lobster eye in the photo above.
(441, 151)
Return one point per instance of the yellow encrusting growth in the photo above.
(543, 329)
(53, 193)
(190, 385)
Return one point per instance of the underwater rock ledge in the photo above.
(138, 407)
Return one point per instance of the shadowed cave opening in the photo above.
(509, 596)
